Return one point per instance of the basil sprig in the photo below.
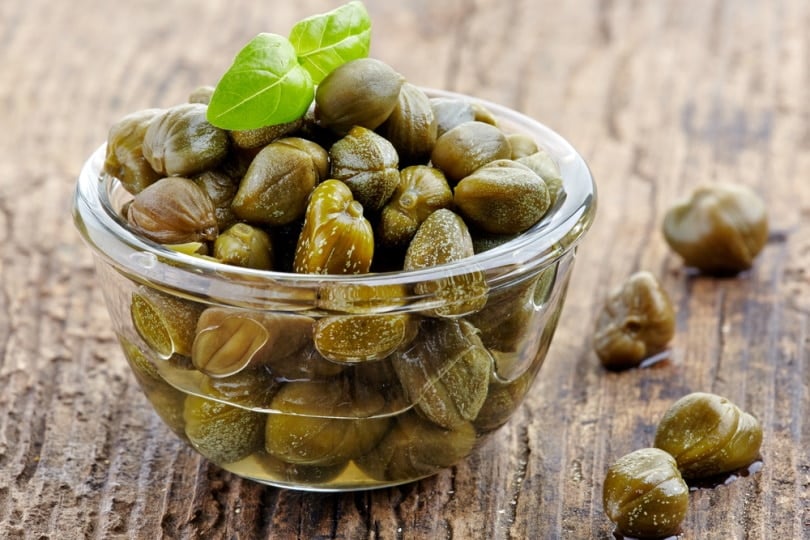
(272, 79)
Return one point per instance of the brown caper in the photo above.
(411, 127)
(221, 189)
(645, 495)
(421, 191)
(708, 435)
(468, 146)
(445, 372)
(228, 340)
(502, 197)
(415, 448)
(173, 210)
(181, 142)
(368, 164)
(325, 422)
(637, 321)
(166, 323)
(124, 157)
(336, 238)
(443, 237)
(720, 229)
(362, 92)
(276, 186)
(246, 246)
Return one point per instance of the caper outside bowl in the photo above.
(296, 404)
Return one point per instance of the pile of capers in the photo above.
(376, 176)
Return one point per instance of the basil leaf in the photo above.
(264, 86)
(323, 42)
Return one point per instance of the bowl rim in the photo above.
(151, 263)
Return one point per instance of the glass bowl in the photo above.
(240, 365)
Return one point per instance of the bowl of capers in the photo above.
(352, 295)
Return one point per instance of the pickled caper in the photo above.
(166, 323)
(451, 112)
(220, 432)
(637, 321)
(720, 229)
(359, 338)
(368, 164)
(325, 422)
(124, 157)
(244, 245)
(173, 210)
(468, 146)
(708, 435)
(221, 189)
(445, 372)
(411, 126)
(645, 495)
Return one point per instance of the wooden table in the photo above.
(658, 96)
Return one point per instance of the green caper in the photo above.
(276, 186)
(181, 142)
(502, 197)
(636, 322)
(468, 146)
(252, 388)
(483, 114)
(361, 92)
(368, 164)
(244, 245)
(316, 152)
(503, 398)
(166, 323)
(297, 473)
(411, 126)
(720, 229)
(421, 191)
(325, 422)
(360, 338)
(546, 168)
(522, 145)
(220, 432)
(450, 112)
(256, 138)
(644, 494)
(415, 448)
(173, 210)
(708, 435)
(304, 364)
(124, 157)
(336, 238)
(443, 237)
(229, 340)
(221, 189)
(445, 372)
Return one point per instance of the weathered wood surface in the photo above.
(658, 96)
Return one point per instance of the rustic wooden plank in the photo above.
(659, 97)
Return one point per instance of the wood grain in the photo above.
(658, 96)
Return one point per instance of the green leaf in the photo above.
(264, 86)
(324, 42)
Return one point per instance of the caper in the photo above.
(720, 229)
(166, 323)
(522, 145)
(415, 448)
(249, 388)
(483, 114)
(503, 398)
(201, 94)
(468, 146)
(359, 338)
(124, 157)
(244, 245)
(304, 365)
(276, 186)
(181, 142)
(336, 238)
(324, 423)
(361, 298)
(708, 435)
(220, 432)
(411, 126)
(636, 322)
(502, 197)
(368, 164)
(297, 473)
(451, 112)
(173, 210)
(445, 372)
(546, 168)
(443, 237)
(221, 189)
(421, 191)
(645, 495)
(228, 340)
(256, 138)
(361, 92)
(316, 152)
